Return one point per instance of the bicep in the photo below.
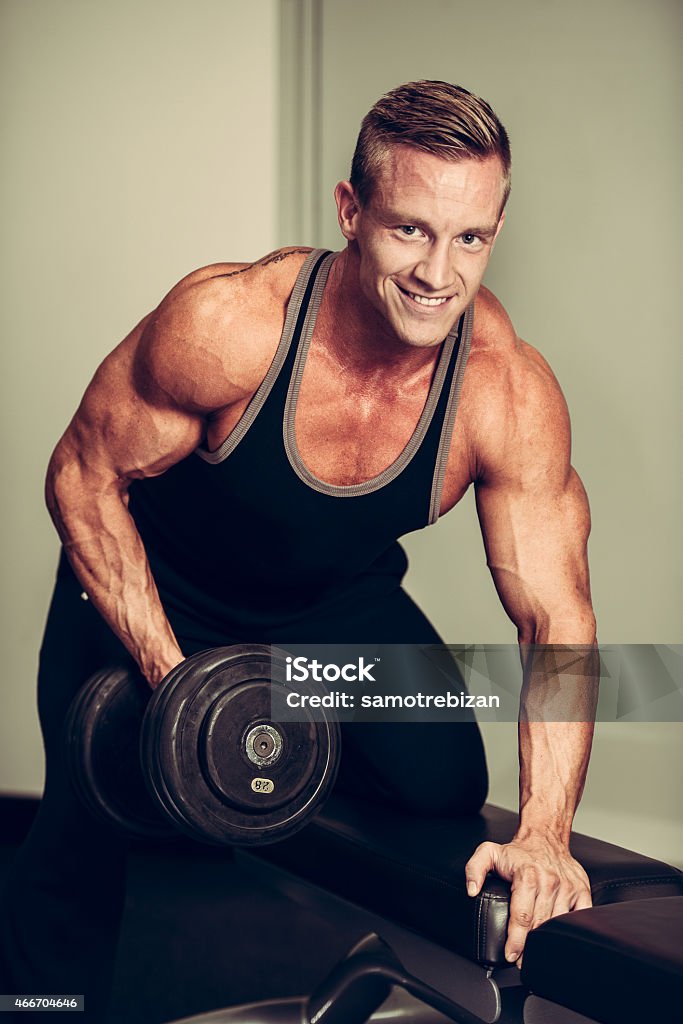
(536, 537)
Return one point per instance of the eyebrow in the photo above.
(396, 217)
(483, 232)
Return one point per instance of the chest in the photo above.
(351, 427)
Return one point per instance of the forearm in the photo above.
(556, 723)
(553, 764)
(107, 554)
(557, 711)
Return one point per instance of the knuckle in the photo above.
(529, 875)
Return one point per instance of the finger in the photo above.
(571, 894)
(584, 900)
(563, 905)
(478, 866)
(549, 896)
(522, 904)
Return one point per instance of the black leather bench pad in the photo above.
(411, 870)
(620, 964)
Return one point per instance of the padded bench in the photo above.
(411, 871)
(618, 964)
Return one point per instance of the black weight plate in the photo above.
(224, 760)
(193, 748)
(102, 732)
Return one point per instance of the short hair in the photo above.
(435, 117)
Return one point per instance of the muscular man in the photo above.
(240, 469)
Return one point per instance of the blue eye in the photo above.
(469, 238)
(408, 229)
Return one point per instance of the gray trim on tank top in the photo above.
(449, 418)
(411, 448)
(264, 389)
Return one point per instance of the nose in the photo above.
(436, 270)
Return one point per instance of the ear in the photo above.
(348, 209)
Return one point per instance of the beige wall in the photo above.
(587, 265)
(139, 142)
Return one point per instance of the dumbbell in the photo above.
(202, 754)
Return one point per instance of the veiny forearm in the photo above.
(102, 543)
(556, 723)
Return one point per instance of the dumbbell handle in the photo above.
(358, 986)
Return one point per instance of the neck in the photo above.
(357, 336)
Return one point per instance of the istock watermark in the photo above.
(492, 682)
(301, 669)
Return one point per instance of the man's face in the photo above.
(424, 238)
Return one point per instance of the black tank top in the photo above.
(245, 541)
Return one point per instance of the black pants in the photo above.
(62, 905)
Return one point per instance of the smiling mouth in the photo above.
(425, 300)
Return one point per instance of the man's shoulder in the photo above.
(232, 288)
(221, 325)
(511, 396)
(500, 358)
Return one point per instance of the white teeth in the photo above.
(424, 301)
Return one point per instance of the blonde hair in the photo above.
(435, 117)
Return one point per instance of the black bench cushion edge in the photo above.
(411, 870)
(618, 964)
